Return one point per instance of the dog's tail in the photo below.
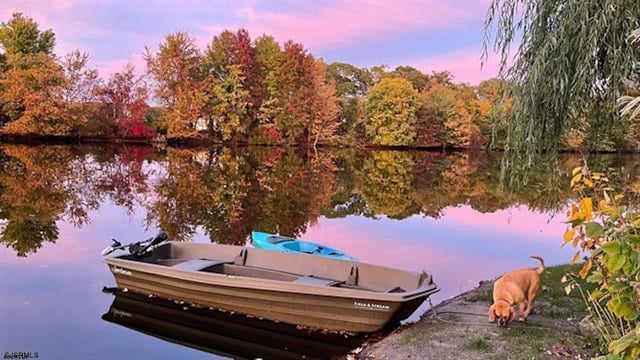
(540, 269)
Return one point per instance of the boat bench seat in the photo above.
(396, 289)
(311, 280)
(197, 264)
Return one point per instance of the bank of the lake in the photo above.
(450, 331)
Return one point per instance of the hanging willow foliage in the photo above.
(572, 60)
(630, 106)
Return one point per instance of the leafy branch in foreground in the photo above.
(607, 231)
(572, 63)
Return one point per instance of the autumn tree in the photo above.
(324, 108)
(391, 112)
(33, 84)
(444, 78)
(269, 57)
(177, 69)
(124, 102)
(33, 97)
(244, 56)
(228, 104)
(451, 108)
(295, 72)
(378, 72)
(81, 82)
(493, 109)
(231, 63)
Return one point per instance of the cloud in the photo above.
(338, 24)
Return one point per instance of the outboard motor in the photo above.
(111, 248)
(140, 248)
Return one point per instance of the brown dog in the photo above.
(518, 287)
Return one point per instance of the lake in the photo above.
(443, 213)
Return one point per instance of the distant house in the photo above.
(201, 124)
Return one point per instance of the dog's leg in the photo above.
(522, 307)
(492, 315)
(531, 297)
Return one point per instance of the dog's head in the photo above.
(502, 313)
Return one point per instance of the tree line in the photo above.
(236, 90)
(258, 92)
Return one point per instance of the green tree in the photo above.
(604, 230)
(21, 35)
(418, 80)
(350, 80)
(352, 85)
(391, 112)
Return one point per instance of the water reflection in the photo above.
(446, 214)
(225, 334)
(226, 192)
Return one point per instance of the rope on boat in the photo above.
(436, 316)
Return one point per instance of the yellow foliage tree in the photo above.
(391, 111)
(33, 97)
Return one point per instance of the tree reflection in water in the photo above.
(228, 192)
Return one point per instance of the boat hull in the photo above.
(325, 307)
(324, 312)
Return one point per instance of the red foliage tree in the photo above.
(244, 55)
(133, 125)
(124, 103)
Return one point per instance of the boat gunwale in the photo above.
(270, 285)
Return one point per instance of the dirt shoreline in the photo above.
(459, 329)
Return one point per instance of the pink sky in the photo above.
(430, 35)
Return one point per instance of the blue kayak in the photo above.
(285, 244)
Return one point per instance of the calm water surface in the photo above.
(60, 205)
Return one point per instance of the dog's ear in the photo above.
(512, 314)
(492, 314)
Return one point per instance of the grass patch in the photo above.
(528, 333)
(485, 295)
(554, 302)
(410, 338)
(480, 345)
